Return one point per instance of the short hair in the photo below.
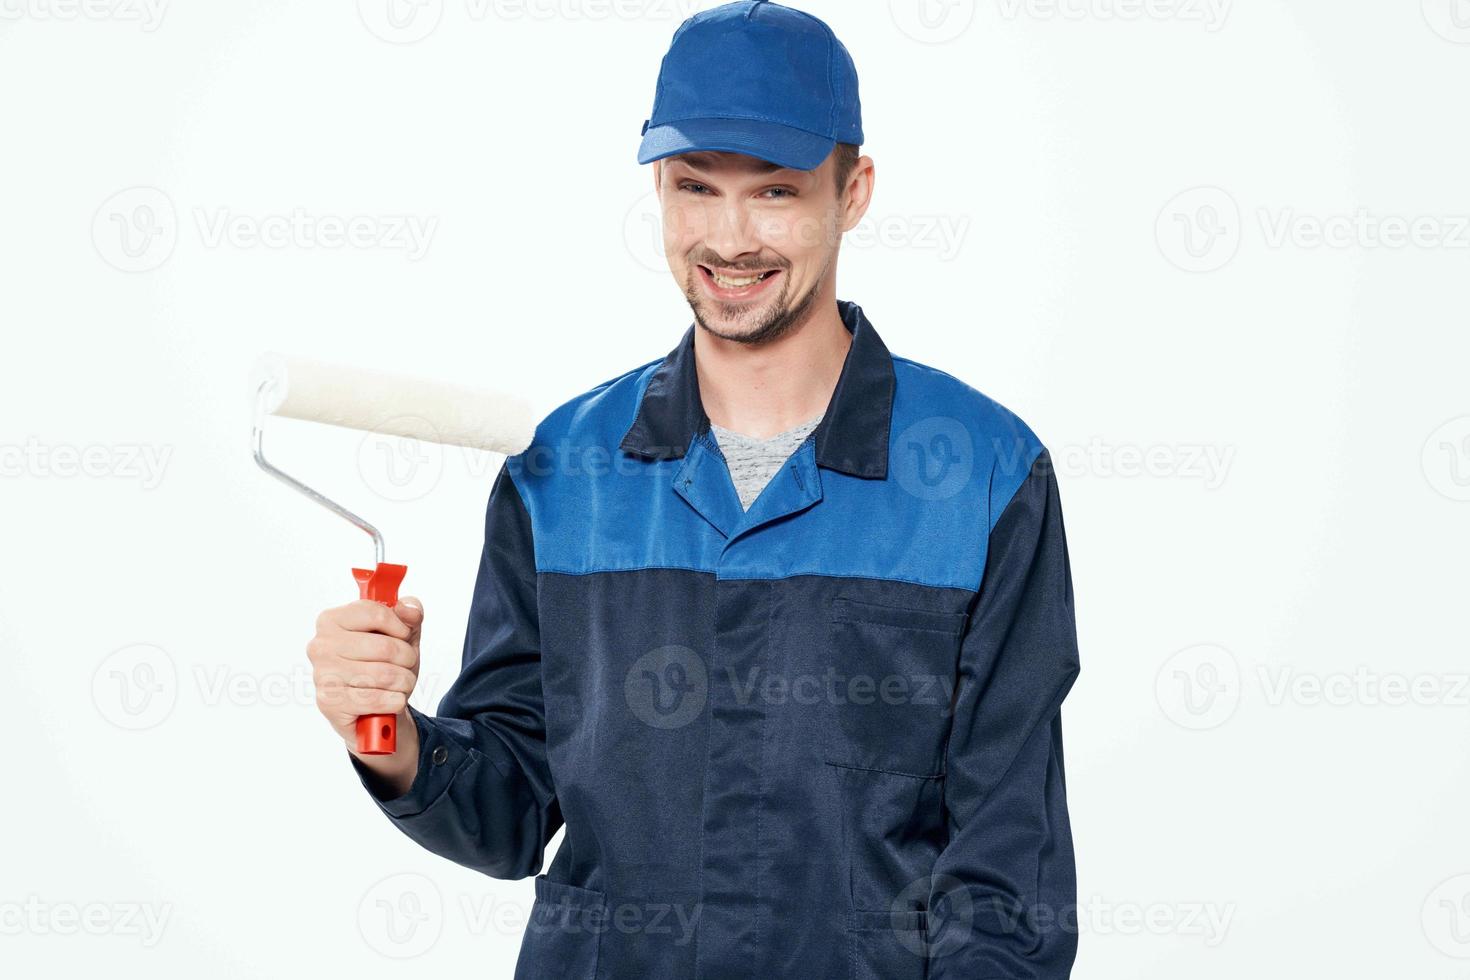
(845, 156)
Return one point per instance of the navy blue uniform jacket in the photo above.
(819, 739)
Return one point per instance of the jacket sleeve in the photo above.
(483, 795)
(1003, 897)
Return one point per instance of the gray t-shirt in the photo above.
(753, 462)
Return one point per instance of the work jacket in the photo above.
(818, 739)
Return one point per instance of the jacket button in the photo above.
(440, 755)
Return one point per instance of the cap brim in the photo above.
(782, 145)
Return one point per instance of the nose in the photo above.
(731, 232)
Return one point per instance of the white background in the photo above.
(1099, 212)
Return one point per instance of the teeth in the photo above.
(736, 283)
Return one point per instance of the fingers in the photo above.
(364, 687)
(342, 704)
(366, 616)
(367, 675)
(324, 648)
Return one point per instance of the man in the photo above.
(777, 626)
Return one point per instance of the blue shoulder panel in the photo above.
(955, 459)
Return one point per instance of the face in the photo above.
(752, 245)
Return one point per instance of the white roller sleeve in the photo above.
(393, 404)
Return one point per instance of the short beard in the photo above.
(783, 318)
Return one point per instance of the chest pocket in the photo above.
(894, 676)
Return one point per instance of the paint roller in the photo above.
(389, 404)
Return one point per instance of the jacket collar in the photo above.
(852, 436)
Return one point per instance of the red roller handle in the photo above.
(378, 734)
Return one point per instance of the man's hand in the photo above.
(365, 661)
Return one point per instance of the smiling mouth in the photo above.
(740, 281)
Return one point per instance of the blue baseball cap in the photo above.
(758, 78)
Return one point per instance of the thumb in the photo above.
(411, 611)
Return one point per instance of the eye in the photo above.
(691, 186)
(783, 191)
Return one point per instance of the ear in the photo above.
(860, 192)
